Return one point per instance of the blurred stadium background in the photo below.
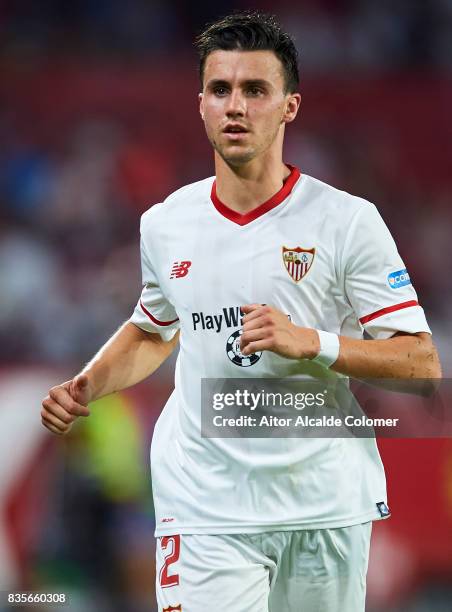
(98, 120)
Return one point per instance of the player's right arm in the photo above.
(129, 356)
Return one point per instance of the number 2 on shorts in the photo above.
(167, 580)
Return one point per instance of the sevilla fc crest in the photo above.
(177, 608)
(298, 261)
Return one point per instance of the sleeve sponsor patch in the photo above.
(400, 278)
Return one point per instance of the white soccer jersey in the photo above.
(201, 261)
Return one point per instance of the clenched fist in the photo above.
(268, 329)
(65, 403)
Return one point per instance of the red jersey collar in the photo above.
(279, 197)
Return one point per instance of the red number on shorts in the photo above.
(172, 557)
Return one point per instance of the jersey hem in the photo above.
(253, 528)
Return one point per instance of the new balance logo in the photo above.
(180, 269)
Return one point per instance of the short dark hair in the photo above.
(250, 31)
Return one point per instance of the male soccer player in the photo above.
(248, 525)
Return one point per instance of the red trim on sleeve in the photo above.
(387, 310)
(279, 197)
(154, 320)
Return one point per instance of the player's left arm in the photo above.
(401, 356)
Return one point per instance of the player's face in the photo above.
(244, 105)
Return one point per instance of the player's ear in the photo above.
(201, 106)
(292, 105)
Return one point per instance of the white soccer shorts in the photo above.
(322, 570)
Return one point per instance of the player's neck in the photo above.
(246, 187)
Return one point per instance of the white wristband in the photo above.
(329, 349)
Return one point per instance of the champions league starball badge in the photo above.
(234, 353)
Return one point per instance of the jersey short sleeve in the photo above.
(153, 312)
(377, 283)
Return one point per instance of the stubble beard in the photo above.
(235, 159)
(240, 158)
